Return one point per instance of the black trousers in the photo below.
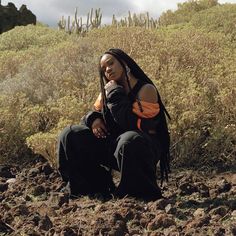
(82, 157)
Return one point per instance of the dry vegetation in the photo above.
(49, 79)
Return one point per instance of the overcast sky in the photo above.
(50, 11)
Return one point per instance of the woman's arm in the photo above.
(128, 114)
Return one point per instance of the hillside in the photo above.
(49, 79)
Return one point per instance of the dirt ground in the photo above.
(196, 203)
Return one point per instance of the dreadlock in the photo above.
(126, 60)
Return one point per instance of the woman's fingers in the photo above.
(99, 133)
(103, 127)
(99, 129)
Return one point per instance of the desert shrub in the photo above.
(194, 71)
(12, 137)
(220, 18)
(185, 11)
(24, 37)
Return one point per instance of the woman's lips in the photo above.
(111, 74)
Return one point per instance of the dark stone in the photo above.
(4, 228)
(45, 223)
(35, 218)
(33, 172)
(47, 169)
(3, 187)
(67, 231)
(20, 210)
(187, 188)
(219, 232)
(58, 199)
(224, 186)
(5, 171)
(38, 190)
(11, 17)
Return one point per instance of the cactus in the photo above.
(114, 20)
(96, 22)
(141, 20)
(78, 22)
(62, 24)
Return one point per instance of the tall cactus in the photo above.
(96, 21)
(78, 22)
(62, 24)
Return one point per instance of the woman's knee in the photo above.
(132, 137)
(73, 132)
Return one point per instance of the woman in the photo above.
(127, 131)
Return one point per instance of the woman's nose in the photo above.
(108, 69)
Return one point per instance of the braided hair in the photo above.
(138, 73)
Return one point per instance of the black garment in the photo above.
(133, 152)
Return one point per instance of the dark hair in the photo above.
(137, 72)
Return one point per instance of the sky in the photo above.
(50, 12)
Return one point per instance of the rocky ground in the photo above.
(196, 204)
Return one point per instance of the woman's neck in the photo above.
(132, 81)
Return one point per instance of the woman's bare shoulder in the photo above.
(148, 93)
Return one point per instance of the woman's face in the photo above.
(111, 67)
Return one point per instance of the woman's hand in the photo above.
(110, 83)
(99, 129)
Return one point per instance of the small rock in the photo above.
(47, 169)
(33, 172)
(159, 204)
(5, 172)
(28, 198)
(20, 210)
(171, 231)
(181, 215)
(219, 232)
(190, 232)
(169, 209)
(233, 213)
(3, 187)
(118, 229)
(8, 217)
(11, 181)
(205, 220)
(233, 230)
(223, 186)
(58, 199)
(221, 210)
(162, 220)
(4, 228)
(45, 223)
(116, 216)
(31, 232)
(200, 212)
(213, 193)
(67, 231)
(232, 204)
(187, 188)
(38, 190)
(67, 210)
(233, 191)
(203, 189)
(144, 222)
(35, 218)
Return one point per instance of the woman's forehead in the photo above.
(106, 57)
